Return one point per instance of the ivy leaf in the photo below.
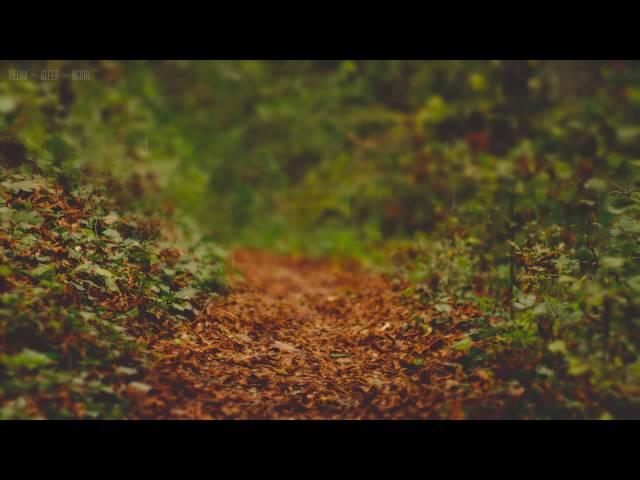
(525, 301)
(28, 218)
(111, 218)
(540, 310)
(102, 272)
(113, 235)
(186, 293)
(182, 306)
(42, 270)
(27, 186)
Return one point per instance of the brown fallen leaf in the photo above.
(516, 390)
(347, 362)
(243, 337)
(285, 347)
(139, 387)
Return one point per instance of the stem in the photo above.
(606, 325)
(512, 269)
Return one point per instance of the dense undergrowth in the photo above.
(92, 263)
(81, 283)
(512, 184)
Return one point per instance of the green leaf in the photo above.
(182, 306)
(103, 272)
(614, 160)
(567, 279)
(443, 307)
(615, 211)
(634, 282)
(113, 235)
(597, 184)
(88, 315)
(464, 344)
(525, 301)
(540, 310)
(577, 367)
(186, 293)
(111, 284)
(27, 218)
(111, 218)
(557, 346)
(29, 359)
(42, 270)
(7, 104)
(24, 185)
(612, 262)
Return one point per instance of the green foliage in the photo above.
(78, 288)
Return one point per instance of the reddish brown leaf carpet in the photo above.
(303, 339)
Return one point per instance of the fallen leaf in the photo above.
(285, 347)
(139, 387)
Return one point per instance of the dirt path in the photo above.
(310, 340)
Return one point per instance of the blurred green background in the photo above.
(347, 152)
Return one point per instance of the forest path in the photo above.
(307, 339)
